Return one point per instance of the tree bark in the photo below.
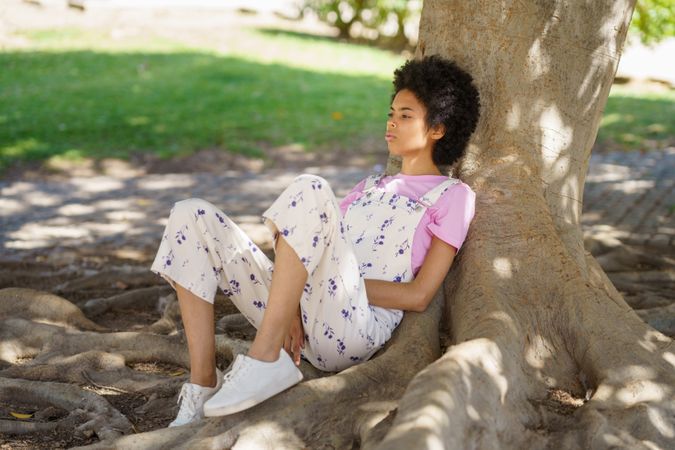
(531, 313)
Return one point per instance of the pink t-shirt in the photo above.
(448, 219)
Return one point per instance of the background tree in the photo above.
(653, 20)
(376, 18)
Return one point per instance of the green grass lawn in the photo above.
(75, 93)
(635, 120)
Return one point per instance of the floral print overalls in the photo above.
(202, 249)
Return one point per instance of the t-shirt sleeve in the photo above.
(351, 196)
(452, 214)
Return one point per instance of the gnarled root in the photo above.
(555, 375)
(339, 410)
(624, 258)
(475, 395)
(142, 297)
(660, 318)
(129, 277)
(96, 413)
(53, 341)
(63, 355)
(170, 319)
(237, 325)
(43, 307)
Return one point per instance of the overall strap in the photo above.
(372, 181)
(434, 194)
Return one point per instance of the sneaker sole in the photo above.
(249, 403)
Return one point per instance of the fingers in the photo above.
(288, 344)
(296, 346)
(299, 344)
(294, 342)
(296, 354)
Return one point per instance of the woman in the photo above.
(343, 273)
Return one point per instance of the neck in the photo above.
(419, 165)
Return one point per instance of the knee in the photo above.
(191, 207)
(313, 182)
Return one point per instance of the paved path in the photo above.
(628, 195)
(632, 197)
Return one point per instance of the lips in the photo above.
(389, 136)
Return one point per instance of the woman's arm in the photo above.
(414, 295)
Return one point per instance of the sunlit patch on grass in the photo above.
(638, 119)
(71, 155)
(57, 34)
(656, 128)
(610, 119)
(138, 121)
(73, 38)
(21, 148)
(629, 138)
(159, 128)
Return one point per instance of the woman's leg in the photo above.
(341, 328)
(288, 281)
(198, 318)
(202, 250)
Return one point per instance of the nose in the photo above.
(391, 123)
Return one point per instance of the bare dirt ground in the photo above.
(88, 233)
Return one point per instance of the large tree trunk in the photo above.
(543, 341)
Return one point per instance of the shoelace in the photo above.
(188, 407)
(238, 366)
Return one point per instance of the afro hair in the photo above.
(450, 98)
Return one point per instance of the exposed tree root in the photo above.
(231, 347)
(491, 392)
(43, 307)
(660, 318)
(137, 298)
(236, 324)
(342, 410)
(19, 427)
(624, 258)
(26, 274)
(50, 344)
(128, 277)
(170, 319)
(643, 290)
(101, 359)
(97, 414)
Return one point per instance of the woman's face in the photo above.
(407, 131)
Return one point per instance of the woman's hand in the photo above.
(295, 339)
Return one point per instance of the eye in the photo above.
(406, 117)
(389, 114)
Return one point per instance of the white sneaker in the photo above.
(193, 397)
(250, 382)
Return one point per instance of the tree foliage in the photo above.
(653, 20)
(383, 20)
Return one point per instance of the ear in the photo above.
(438, 131)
